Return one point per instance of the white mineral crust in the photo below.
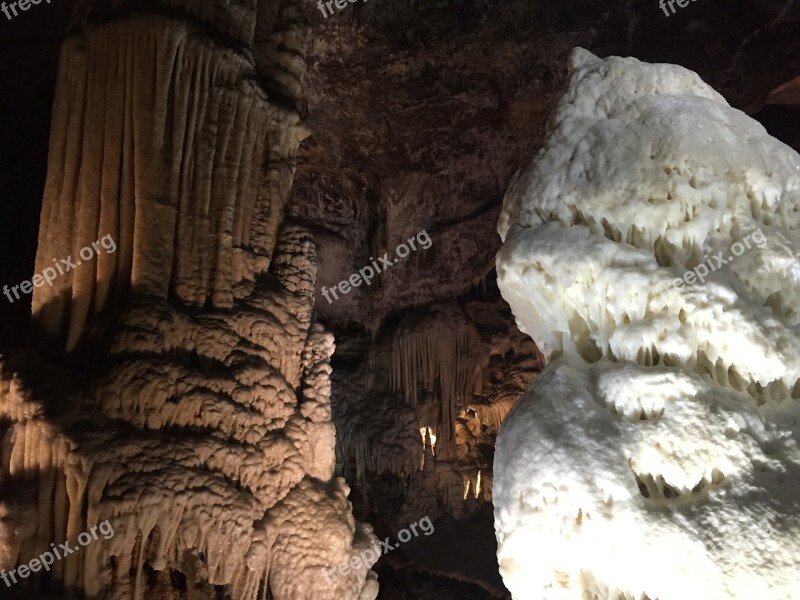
(657, 455)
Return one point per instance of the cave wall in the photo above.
(420, 114)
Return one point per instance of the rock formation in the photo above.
(175, 134)
(657, 454)
(195, 414)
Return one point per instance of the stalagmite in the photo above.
(199, 425)
(193, 490)
(657, 455)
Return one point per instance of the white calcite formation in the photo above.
(657, 455)
(195, 416)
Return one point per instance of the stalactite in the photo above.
(491, 414)
(444, 355)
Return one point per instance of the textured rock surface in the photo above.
(194, 442)
(420, 113)
(197, 419)
(664, 433)
(177, 182)
(391, 408)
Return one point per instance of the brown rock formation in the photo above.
(204, 435)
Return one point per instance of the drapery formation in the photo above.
(201, 427)
(165, 140)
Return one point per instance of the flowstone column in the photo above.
(187, 397)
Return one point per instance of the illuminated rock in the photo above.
(657, 455)
(199, 424)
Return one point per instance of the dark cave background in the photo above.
(419, 115)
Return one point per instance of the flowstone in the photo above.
(657, 455)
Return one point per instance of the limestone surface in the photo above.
(185, 396)
(657, 455)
